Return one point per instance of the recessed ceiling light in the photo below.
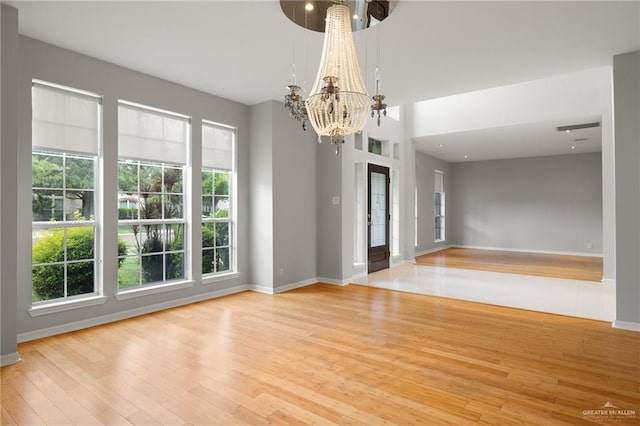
(573, 147)
(355, 16)
(466, 156)
(441, 145)
(309, 7)
(568, 131)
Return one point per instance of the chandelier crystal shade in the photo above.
(338, 103)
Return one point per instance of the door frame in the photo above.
(378, 258)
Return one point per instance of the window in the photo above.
(360, 215)
(65, 146)
(395, 213)
(152, 149)
(218, 144)
(375, 146)
(439, 206)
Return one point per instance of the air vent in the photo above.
(577, 127)
(581, 139)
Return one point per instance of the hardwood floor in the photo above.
(325, 354)
(543, 265)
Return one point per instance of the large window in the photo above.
(152, 149)
(218, 144)
(65, 146)
(439, 206)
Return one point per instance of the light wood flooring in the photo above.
(326, 354)
(543, 265)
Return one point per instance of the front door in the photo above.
(378, 218)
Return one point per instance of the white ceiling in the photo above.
(242, 50)
(517, 141)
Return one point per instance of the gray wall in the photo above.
(626, 86)
(283, 203)
(294, 200)
(8, 167)
(50, 63)
(426, 166)
(329, 223)
(261, 197)
(543, 203)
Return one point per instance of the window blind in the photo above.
(217, 146)
(146, 134)
(64, 120)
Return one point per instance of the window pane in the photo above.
(207, 207)
(208, 235)
(222, 259)
(221, 181)
(222, 234)
(80, 278)
(378, 210)
(174, 237)
(47, 245)
(128, 206)
(47, 205)
(150, 178)
(175, 266)
(375, 146)
(80, 243)
(173, 207)
(173, 180)
(152, 268)
(48, 282)
(129, 271)
(207, 182)
(221, 206)
(79, 205)
(79, 172)
(151, 239)
(151, 206)
(128, 176)
(46, 171)
(208, 261)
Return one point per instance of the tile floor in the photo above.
(584, 299)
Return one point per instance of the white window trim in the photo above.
(220, 276)
(146, 290)
(66, 305)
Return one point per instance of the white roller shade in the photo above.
(217, 146)
(151, 135)
(64, 120)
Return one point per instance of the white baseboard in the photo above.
(333, 281)
(566, 253)
(608, 281)
(9, 359)
(270, 290)
(433, 250)
(117, 316)
(626, 325)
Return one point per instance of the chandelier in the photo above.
(294, 103)
(338, 103)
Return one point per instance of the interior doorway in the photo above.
(378, 218)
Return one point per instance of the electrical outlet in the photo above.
(589, 245)
(281, 272)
